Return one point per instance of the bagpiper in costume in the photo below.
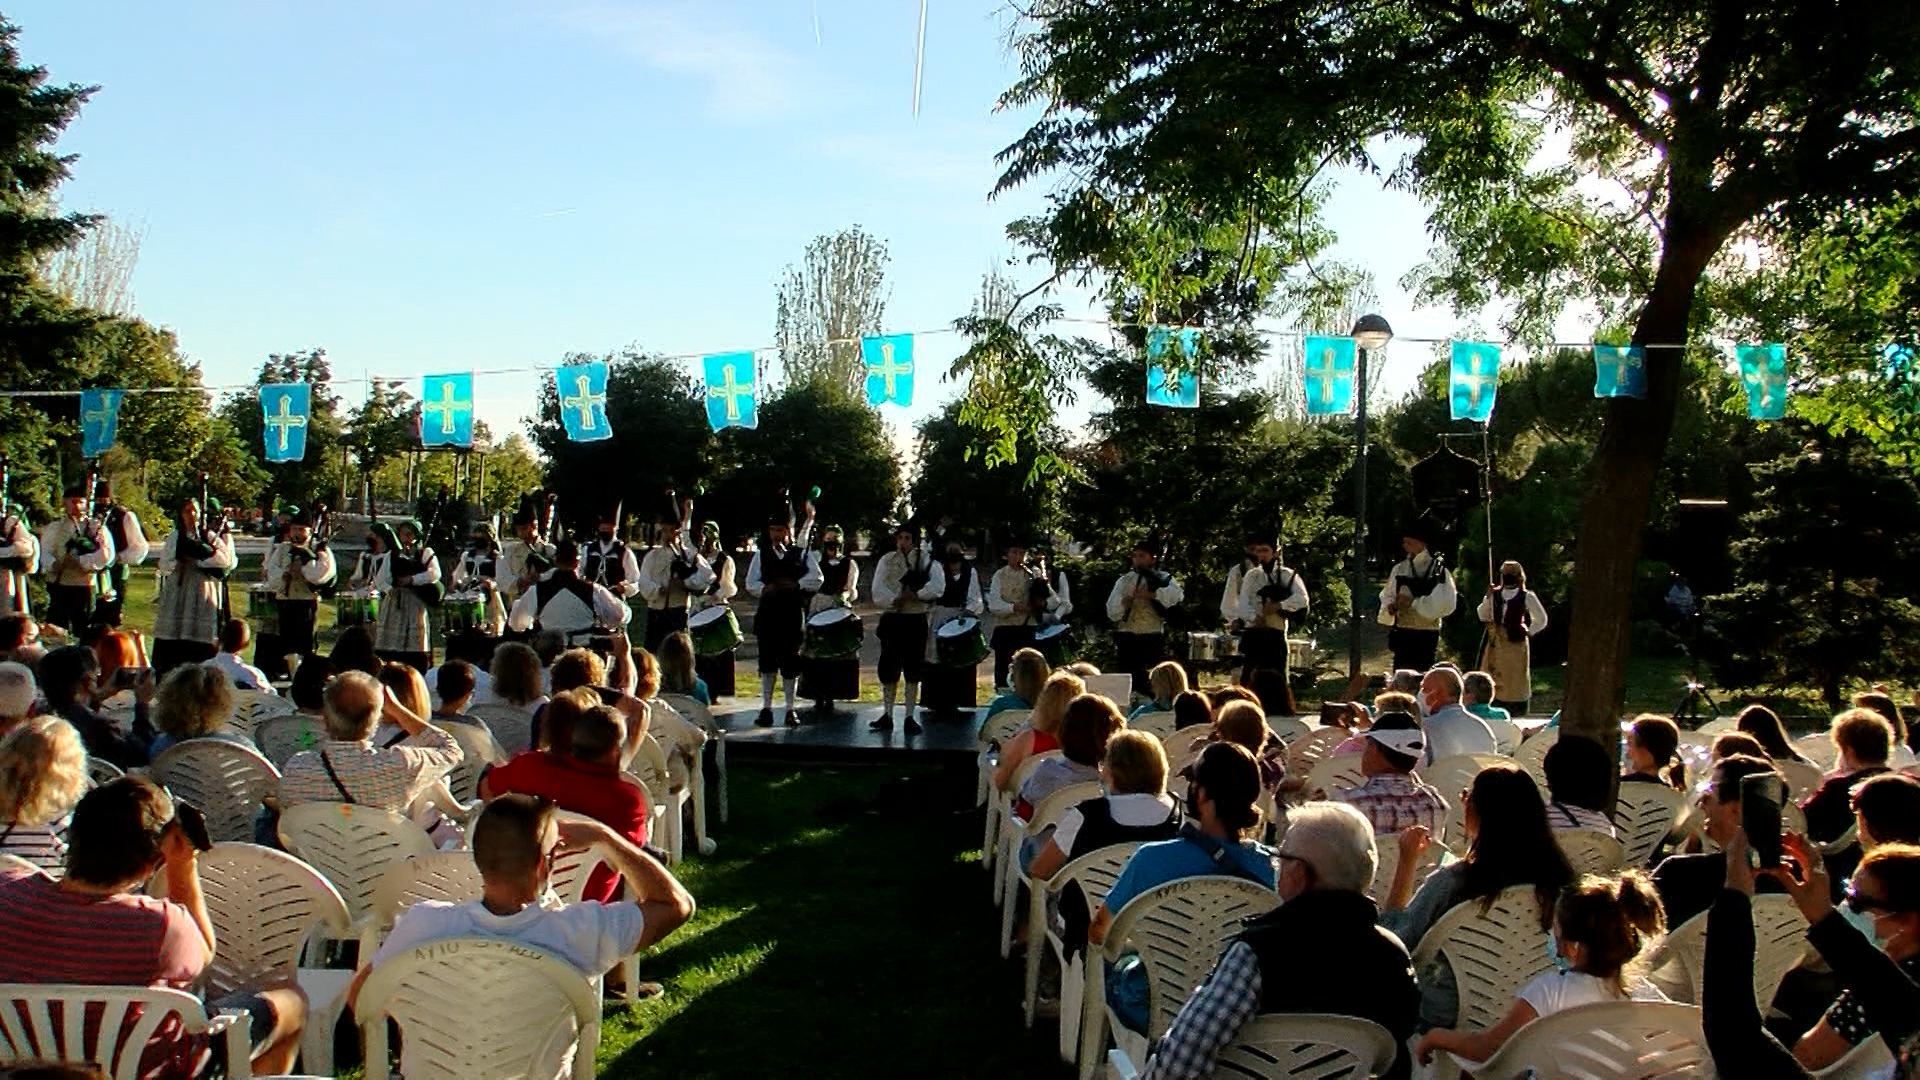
(1138, 606)
(903, 584)
(194, 564)
(74, 549)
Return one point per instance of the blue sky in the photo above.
(434, 186)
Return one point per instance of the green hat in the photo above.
(385, 532)
(412, 524)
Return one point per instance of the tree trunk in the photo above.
(1618, 502)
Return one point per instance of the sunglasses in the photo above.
(1866, 905)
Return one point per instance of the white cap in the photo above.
(1411, 742)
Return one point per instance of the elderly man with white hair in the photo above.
(349, 768)
(1318, 952)
(18, 692)
(1450, 728)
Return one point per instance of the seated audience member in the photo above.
(68, 675)
(1736, 743)
(193, 702)
(453, 685)
(1027, 673)
(1165, 682)
(1042, 731)
(93, 927)
(578, 669)
(1864, 739)
(1392, 798)
(354, 651)
(17, 694)
(20, 639)
(114, 650)
(1886, 997)
(1192, 709)
(584, 780)
(1135, 809)
(463, 649)
(1476, 694)
(677, 674)
(1764, 725)
(1089, 722)
(349, 768)
(1599, 927)
(1083, 669)
(1887, 810)
(234, 639)
(1220, 813)
(1244, 724)
(517, 676)
(1405, 681)
(1687, 883)
(309, 684)
(1391, 701)
(1324, 925)
(1883, 902)
(1276, 697)
(1881, 703)
(1653, 753)
(1451, 729)
(409, 689)
(515, 840)
(1509, 843)
(43, 773)
(1580, 782)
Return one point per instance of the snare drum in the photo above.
(960, 643)
(462, 612)
(834, 634)
(1057, 644)
(356, 607)
(263, 609)
(714, 631)
(1200, 645)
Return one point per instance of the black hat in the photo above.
(1153, 544)
(606, 513)
(522, 516)
(1420, 529)
(301, 517)
(103, 488)
(907, 527)
(566, 553)
(75, 491)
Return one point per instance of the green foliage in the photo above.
(315, 479)
(1002, 497)
(812, 435)
(1015, 380)
(1829, 573)
(32, 116)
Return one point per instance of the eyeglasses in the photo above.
(1864, 904)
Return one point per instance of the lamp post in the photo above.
(1371, 332)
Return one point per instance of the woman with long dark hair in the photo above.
(1653, 752)
(1764, 725)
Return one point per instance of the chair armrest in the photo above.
(234, 1027)
(1120, 1066)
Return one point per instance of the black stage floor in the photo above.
(844, 737)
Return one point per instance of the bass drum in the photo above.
(833, 634)
(960, 643)
(714, 631)
(355, 607)
(263, 610)
(1057, 644)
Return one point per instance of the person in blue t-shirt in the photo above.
(1220, 811)
(1028, 671)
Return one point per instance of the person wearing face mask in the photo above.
(1450, 728)
(1512, 614)
(1230, 609)
(832, 579)
(1138, 607)
(903, 585)
(607, 560)
(779, 624)
(1419, 594)
(1883, 902)
(1269, 594)
(194, 564)
(1688, 883)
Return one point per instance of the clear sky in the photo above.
(451, 185)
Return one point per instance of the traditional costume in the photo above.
(608, 560)
(301, 570)
(1512, 614)
(951, 687)
(1017, 599)
(478, 572)
(830, 668)
(903, 584)
(1138, 606)
(716, 669)
(1419, 594)
(779, 622)
(672, 573)
(193, 568)
(19, 556)
(1269, 593)
(1230, 606)
(564, 602)
(74, 549)
(130, 548)
(411, 581)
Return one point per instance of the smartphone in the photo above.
(1761, 796)
(129, 676)
(194, 824)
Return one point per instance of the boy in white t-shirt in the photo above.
(1599, 927)
(234, 639)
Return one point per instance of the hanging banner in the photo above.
(446, 410)
(284, 408)
(1475, 380)
(1329, 375)
(889, 363)
(1898, 367)
(1619, 371)
(583, 400)
(732, 398)
(1173, 389)
(99, 420)
(1763, 368)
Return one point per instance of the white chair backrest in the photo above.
(281, 737)
(1334, 773)
(1818, 748)
(57, 1027)
(1179, 930)
(1288, 728)
(1389, 850)
(1046, 813)
(1645, 814)
(1096, 871)
(1506, 735)
(100, 770)
(264, 904)
(252, 706)
(1306, 752)
(1532, 754)
(351, 845)
(1157, 723)
(14, 864)
(674, 729)
(1026, 769)
(1802, 779)
(529, 1009)
(1308, 1046)
(1004, 725)
(444, 875)
(477, 751)
(1719, 725)
(1453, 774)
(226, 780)
(568, 878)
(693, 711)
(1492, 953)
(649, 766)
(1590, 851)
(1779, 936)
(1613, 1040)
(512, 726)
(1863, 1062)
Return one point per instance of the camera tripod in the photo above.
(1697, 693)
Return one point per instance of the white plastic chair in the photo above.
(1306, 752)
(1388, 848)
(1532, 754)
(1492, 953)
(994, 734)
(1819, 749)
(100, 770)
(1453, 774)
(1719, 725)
(477, 751)
(1613, 1040)
(1095, 872)
(226, 780)
(1179, 930)
(444, 875)
(1864, 1062)
(1288, 728)
(1506, 735)
(1159, 724)
(1676, 962)
(1645, 815)
(252, 706)
(1000, 818)
(14, 864)
(57, 1029)
(1045, 816)
(702, 716)
(281, 737)
(1590, 851)
(684, 742)
(351, 845)
(1297, 1046)
(512, 726)
(665, 806)
(1334, 773)
(470, 1007)
(1802, 779)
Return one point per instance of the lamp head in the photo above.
(1371, 332)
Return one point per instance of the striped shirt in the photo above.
(38, 844)
(387, 777)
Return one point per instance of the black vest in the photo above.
(483, 564)
(548, 588)
(1098, 829)
(955, 594)
(786, 568)
(117, 527)
(834, 574)
(615, 559)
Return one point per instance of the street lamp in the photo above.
(1371, 332)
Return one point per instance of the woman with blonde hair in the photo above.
(1042, 733)
(193, 702)
(410, 690)
(43, 773)
(677, 674)
(1166, 681)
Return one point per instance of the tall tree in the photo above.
(953, 479)
(825, 305)
(812, 435)
(96, 272)
(1711, 119)
(385, 427)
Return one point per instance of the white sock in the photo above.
(787, 687)
(766, 691)
(913, 693)
(886, 698)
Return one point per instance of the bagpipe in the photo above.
(686, 556)
(404, 564)
(192, 547)
(539, 552)
(11, 524)
(87, 537)
(786, 563)
(1040, 588)
(1418, 585)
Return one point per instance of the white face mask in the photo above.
(1864, 923)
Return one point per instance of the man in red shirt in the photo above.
(585, 779)
(92, 928)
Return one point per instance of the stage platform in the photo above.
(844, 737)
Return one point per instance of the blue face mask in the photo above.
(1553, 951)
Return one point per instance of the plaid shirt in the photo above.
(389, 778)
(1393, 801)
(1211, 1019)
